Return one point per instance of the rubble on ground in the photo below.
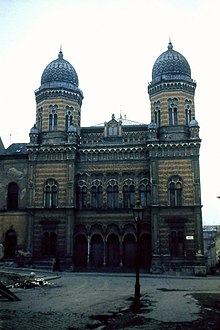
(15, 280)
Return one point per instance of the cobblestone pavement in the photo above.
(85, 301)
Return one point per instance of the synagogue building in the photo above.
(69, 192)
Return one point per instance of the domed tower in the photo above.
(52, 162)
(171, 94)
(173, 146)
(58, 102)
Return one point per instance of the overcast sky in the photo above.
(112, 45)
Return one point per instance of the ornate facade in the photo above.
(70, 191)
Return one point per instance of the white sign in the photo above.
(189, 237)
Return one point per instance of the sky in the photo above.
(112, 44)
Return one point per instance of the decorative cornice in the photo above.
(111, 150)
(174, 145)
(185, 149)
(154, 88)
(51, 149)
(57, 93)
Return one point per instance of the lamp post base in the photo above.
(136, 303)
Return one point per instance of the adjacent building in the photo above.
(211, 235)
(70, 191)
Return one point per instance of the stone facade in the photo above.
(69, 193)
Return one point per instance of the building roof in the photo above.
(16, 148)
(59, 74)
(171, 65)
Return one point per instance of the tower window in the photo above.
(188, 114)
(52, 118)
(50, 194)
(157, 117)
(50, 122)
(40, 119)
(175, 116)
(55, 121)
(157, 113)
(173, 112)
(68, 117)
(175, 191)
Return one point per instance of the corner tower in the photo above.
(58, 102)
(173, 145)
(171, 94)
(52, 161)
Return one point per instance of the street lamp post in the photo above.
(138, 215)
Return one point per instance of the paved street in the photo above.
(83, 301)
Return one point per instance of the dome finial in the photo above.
(120, 112)
(170, 46)
(60, 55)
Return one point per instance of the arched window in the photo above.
(173, 111)
(128, 196)
(188, 111)
(52, 117)
(12, 198)
(68, 117)
(96, 196)
(177, 243)
(145, 194)
(40, 119)
(50, 122)
(81, 196)
(50, 194)
(112, 195)
(55, 122)
(157, 113)
(175, 191)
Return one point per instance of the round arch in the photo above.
(80, 250)
(129, 250)
(97, 250)
(145, 251)
(113, 250)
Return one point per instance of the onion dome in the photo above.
(72, 129)
(59, 73)
(193, 123)
(34, 130)
(152, 125)
(171, 65)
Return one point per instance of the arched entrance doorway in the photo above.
(113, 251)
(10, 244)
(145, 251)
(49, 244)
(80, 251)
(129, 251)
(97, 251)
